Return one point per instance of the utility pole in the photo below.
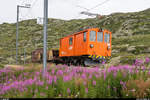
(17, 24)
(24, 55)
(45, 37)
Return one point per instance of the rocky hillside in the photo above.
(131, 35)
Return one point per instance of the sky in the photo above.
(67, 9)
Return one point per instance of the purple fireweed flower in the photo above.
(59, 72)
(96, 75)
(84, 82)
(49, 81)
(147, 60)
(21, 89)
(83, 76)
(46, 88)
(115, 74)
(143, 68)
(124, 74)
(138, 62)
(104, 73)
(124, 84)
(65, 78)
(26, 73)
(53, 71)
(35, 78)
(50, 77)
(37, 73)
(109, 70)
(78, 75)
(68, 90)
(133, 67)
(136, 71)
(36, 91)
(121, 82)
(103, 62)
(40, 83)
(94, 82)
(42, 94)
(126, 67)
(25, 89)
(55, 78)
(130, 70)
(84, 70)
(40, 70)
(149, 72)
(90, 76)
(86, 90)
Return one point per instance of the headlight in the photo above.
(108, 46)
(91, 45)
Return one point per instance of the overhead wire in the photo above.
(90, 8)
(23, 2)
(30, 9)
(99, 4)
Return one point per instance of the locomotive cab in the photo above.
(99, 43)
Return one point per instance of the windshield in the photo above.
(107, 38)
(100, 36)
(92, 36)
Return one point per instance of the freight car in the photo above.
(87, 47)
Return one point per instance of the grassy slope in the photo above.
(129, 29)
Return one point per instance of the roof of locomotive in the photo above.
(81, 32)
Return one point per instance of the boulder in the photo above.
(131, 48)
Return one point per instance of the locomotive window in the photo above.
(100, 36)
(92, 36)
(70, 41)
(107, 38)
(84, 36)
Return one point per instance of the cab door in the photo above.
(71, 46)
(80, 44)
(92, 45)
(107, 42)
(100, 43)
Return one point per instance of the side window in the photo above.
(107, 38)
(92, 36)
(70, 41)
(100, 36)
(84, 36)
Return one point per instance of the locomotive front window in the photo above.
(100, 36)
(107, 38)
(84, 36)
(92, 36)
(70, 41)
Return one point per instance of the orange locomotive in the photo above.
(87, 47)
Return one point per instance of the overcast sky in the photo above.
(67, 9)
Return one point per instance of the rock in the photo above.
(131, 48)
(115, 60)
(146, 50)
(114, 51)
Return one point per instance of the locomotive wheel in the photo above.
(90, 62)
